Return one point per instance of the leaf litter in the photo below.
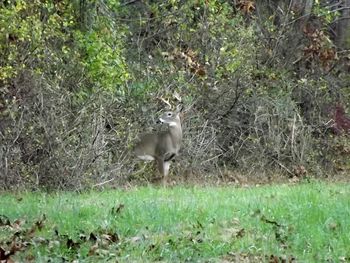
(21, 237)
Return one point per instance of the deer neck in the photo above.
(175, 130)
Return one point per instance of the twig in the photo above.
(129, 2)
(284, 167)
(210, 159)
(308, 14)
(105, 182)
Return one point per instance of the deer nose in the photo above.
(160, 120)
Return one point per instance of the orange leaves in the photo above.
(187, 58)
(319, 47)
(246, 6)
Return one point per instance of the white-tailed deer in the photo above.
(162, 146)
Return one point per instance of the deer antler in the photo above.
(165, 101)
(177, 96)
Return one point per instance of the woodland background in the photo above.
(265, 85)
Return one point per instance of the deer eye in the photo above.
(169, 114)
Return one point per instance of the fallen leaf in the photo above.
(17, 224)
(264, 219)
(40, 240)
(40, 223)
(135, 239)
(112, 237)
(30, 258)
(93, 249)
(117, 209)
(82, 237)
(54, 243)
(18, 245)
(92, 237)
(235, 221)
(274, 259)
(333, 226)
(3, 254)
(344, 259)
(4, 221)
(230, 233)
(240, 233)
(71, 244)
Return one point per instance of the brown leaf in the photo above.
(230, 233)
(113, 237)
(92, 237)
(3, 254)
(151, 247)
(72, 245)
(240, 233)
(15, 246)
(82, 237)
(4, 221)
(37, 225)
(333, 226)
(274, 259)
(40, 223)
(30, 258)
(281, 259)
(117, 209)
(264, 219)
(17, 224)
(247, 6)
(93, 249)
(30, 232)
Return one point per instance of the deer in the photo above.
(162, 146)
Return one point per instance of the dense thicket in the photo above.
(265, 84)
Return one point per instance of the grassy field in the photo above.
(283, 223)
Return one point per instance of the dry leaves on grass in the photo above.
(116, 210)
(22, 237)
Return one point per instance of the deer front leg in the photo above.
(163, 168)
(166, 166)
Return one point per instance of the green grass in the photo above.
(310, 222)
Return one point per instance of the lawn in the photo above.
(307, 222)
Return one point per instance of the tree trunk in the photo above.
(342, 28)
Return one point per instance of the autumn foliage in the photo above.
(81, 79)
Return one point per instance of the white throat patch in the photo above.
(171, 124)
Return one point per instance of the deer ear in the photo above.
(178, 108)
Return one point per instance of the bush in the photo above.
(81, 79)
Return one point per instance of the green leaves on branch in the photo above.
(102, 58)
(45, 37)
